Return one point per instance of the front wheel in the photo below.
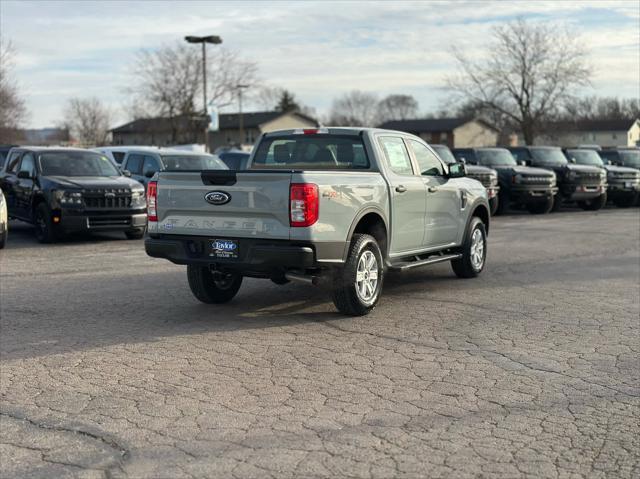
(3, 236)
(594, 204)
(209, 290)
(626, 201)
(493, 205)
(44, 224)
(474, 251)
(359, 283)
(557, 203)
(541, 207)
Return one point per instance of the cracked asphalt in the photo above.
(110, 368)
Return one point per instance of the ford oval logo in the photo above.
(217, 197)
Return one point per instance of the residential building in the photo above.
(453, 132)
(606, 133)
(185, 130)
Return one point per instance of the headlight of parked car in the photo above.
(68, 198)
(603, 175)
(517, 178)
(138, 198)
(572, 175)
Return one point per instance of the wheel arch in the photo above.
(370, 221)
(481, 211)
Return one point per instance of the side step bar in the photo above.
(405, 265)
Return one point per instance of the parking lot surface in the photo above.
(110, 368)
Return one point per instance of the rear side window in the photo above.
(134, 164)
(397, 155)
(311, 152)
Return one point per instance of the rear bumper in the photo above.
(254, 256)
(105, 221)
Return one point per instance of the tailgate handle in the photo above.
(218, 177)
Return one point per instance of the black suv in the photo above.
(521, 186)
(586, 185)
(623, 182)
(487, 176)
(4, 152)
(62, 190)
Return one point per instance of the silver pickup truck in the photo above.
(333, 206)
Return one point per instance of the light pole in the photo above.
(213, 39)
(241, 87)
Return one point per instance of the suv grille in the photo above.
(537, 180)
(626, 176)
(109, 198)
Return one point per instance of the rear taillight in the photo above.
(152, 199)
(303, 204)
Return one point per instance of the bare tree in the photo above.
(397, 107)
(88, 120)
(602, 108)
(13, 111)
(168, 83)
(356, 108)
(530, 72)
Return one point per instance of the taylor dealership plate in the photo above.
(223, 248)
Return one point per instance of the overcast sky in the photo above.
(318, 50)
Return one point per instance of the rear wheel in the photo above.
(359, 283)
(541, 207)
(209, 290)
(135, 234)
(44, 224)
(474, 251)
(594, 204)
(3, 236)
(493, 205)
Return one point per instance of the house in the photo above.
(606, 133)
(188, 130)
(453, 132)
(254, 124)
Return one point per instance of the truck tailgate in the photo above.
(258, 204)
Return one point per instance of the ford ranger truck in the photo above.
(332, 206)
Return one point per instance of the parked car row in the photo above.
(65, 190)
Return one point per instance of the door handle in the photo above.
(400, 189)
(432, 189)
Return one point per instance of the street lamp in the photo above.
(241, 87)
(213, 39)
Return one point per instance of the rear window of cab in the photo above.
(311, 152)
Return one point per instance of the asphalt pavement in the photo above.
(110, 368)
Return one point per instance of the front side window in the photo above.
(134, 164)
(427, 161)
(396, 155)
(521, 155)
(28, 164)
(118, 156)
(76, 163)
(14, 160)
(630, 158)
(311, 152)
(150, 165)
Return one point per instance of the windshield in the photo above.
(444, 153)
(585, 157)
(495, 157)
(311, 152)
(76, 163)
(549, 156)
(192, 162)
(630, 158)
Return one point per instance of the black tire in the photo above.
(45, 229)
(138, 233)
(626, 201)
(541, 207)
(594, 204)
(503, 204)
(280, 280)
(466, 267)
(557, 203)
(211, 291)
(4, 236)
(347, 296)
(493, 205)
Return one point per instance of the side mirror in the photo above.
(25, 175)
(463, 161)
(149, 174)
(522, 163)
(457, 170)
(126, 173)
(573, 160)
